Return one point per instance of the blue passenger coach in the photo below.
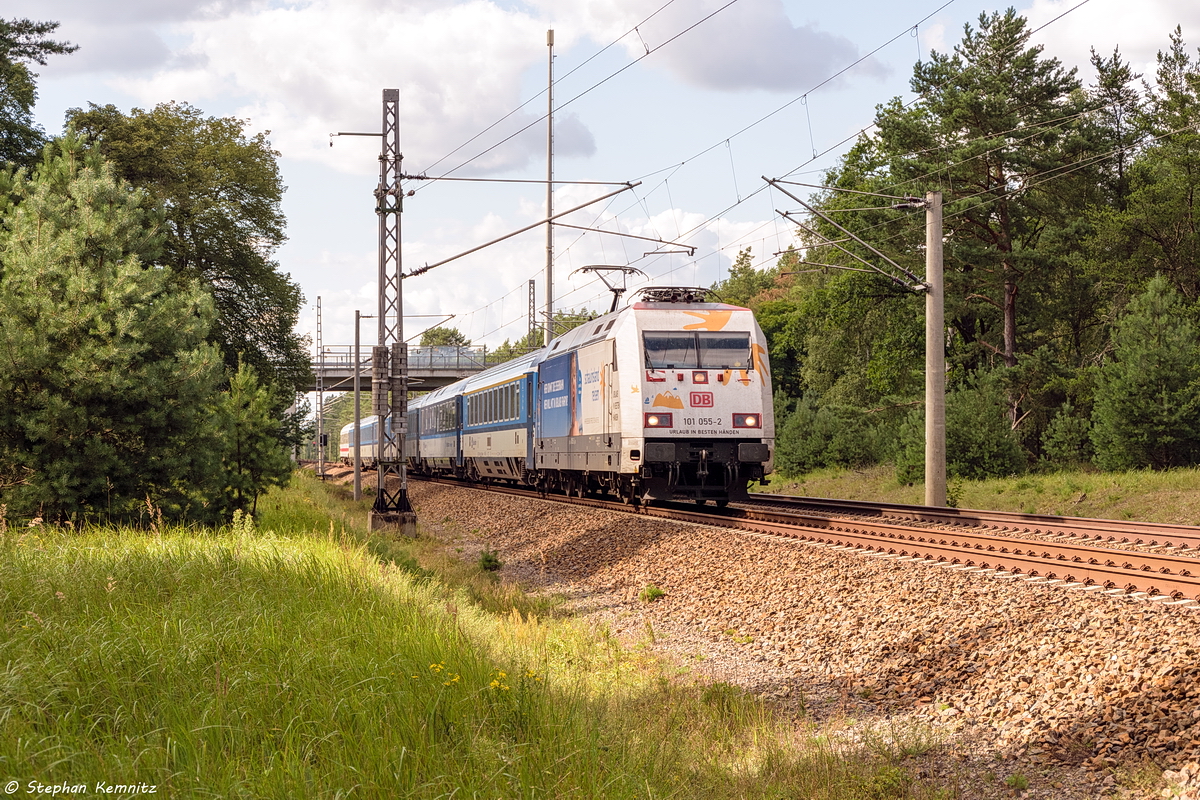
(480, 427)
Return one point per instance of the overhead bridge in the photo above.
(428, 367)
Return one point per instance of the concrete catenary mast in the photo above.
(549, 334)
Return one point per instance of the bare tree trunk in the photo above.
(1010, 322)
(1010, 342)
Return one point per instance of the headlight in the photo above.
(657, 420)
(747, 420)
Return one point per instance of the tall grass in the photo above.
(302, 659)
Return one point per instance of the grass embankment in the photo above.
(1172, 496)
(302, 658)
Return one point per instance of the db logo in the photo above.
(702, 399)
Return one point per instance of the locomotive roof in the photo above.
(685, 306)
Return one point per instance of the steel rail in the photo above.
(1117, 571)
(1124, 570)
(1153, 534)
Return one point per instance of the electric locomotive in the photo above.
(667, 398)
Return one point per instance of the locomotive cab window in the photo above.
(720, 350)
(697, 350)
(669, 350)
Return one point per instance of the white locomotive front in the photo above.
(669, 397)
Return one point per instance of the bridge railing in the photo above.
(341, 358)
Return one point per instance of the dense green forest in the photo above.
(147, 346)
(1071, 239)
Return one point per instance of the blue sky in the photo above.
(674, 119)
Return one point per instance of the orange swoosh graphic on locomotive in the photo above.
(667, 401)
(757, 351)
(709, 320)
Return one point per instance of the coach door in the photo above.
(613, 402)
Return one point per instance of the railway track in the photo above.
(1148, 535)
(1071, 555)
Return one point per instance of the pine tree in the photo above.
(106, 378)
(996, 118)
(1156, 229)
(1147, 411)
(252, 457)
(221, 190)
(23, 41)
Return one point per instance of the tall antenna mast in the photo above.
(549, 191)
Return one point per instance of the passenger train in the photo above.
(666, 398)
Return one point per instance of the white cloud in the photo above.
(307, 70)
(933, 38)
(1139, 31)
(751, 44)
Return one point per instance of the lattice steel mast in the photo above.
(389, 358)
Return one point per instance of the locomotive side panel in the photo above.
(576, 421)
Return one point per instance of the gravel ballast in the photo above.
(1082, 694)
